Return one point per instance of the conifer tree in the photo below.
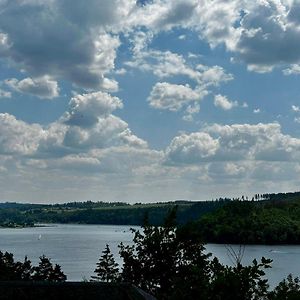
(107, 269)
(46, 272)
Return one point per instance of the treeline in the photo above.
(265, 219)
(273, 221)
(104, 213)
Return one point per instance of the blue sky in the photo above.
(151, 101)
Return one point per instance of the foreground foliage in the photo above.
(24, 271)
(171, 263)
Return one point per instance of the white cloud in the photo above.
(85, 109)
(78, 42)
(63, 39)
(18, 137)
(43, 87)
(168, 64)
(238, 142)
(294, 69)
(121, 71)
(295, 108)
(190, 111)
(193, 148)
(5, 94)
(4, 44)
(173, 96)
(256, 111)
(263, 34)
(224, 103)
(88, 124)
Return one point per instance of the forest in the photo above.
(261, 219)
(272, 221)
(119, 213)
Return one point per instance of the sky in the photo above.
(146, 101)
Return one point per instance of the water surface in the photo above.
(77, 248)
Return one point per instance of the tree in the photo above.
(46, 272)
(11, 270)
(238, 282)
(161, 260)
(171, 263)
(107, 269)
(288, 289)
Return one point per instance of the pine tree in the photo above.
(46, 272)
(107, 269)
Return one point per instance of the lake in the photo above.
(77, 248)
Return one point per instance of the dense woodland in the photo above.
(14, 214)
(261, 219)
(272, 221)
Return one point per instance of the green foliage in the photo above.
(160, 260)
(107, 269)
(16, 215)
(24, 271)
(171, 263)
(250, 222)
(46, 272)
(239, 282)
(11, 270)
(288, 289)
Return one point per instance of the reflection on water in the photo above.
(77, 248)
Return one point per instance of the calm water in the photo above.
(77, 248)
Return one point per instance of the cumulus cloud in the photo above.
(86, 109)
(190, 111)
(18, 137)
(5, 94)
(78, 43)
(63, 39)
(66, 40)
(88, 124)
(224, 103)
(295, 108)
(294, 69)
(115, 160)
(193, 148)
(263, 34)
(238, 142)
(166, 64)
(43, 87)
(173, 96)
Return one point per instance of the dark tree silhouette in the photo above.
(107, 269)
(46, 272)
(171, 263)
(11, 270)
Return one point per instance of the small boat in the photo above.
(40, 236)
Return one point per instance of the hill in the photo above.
(273, 220)
(15, 214)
